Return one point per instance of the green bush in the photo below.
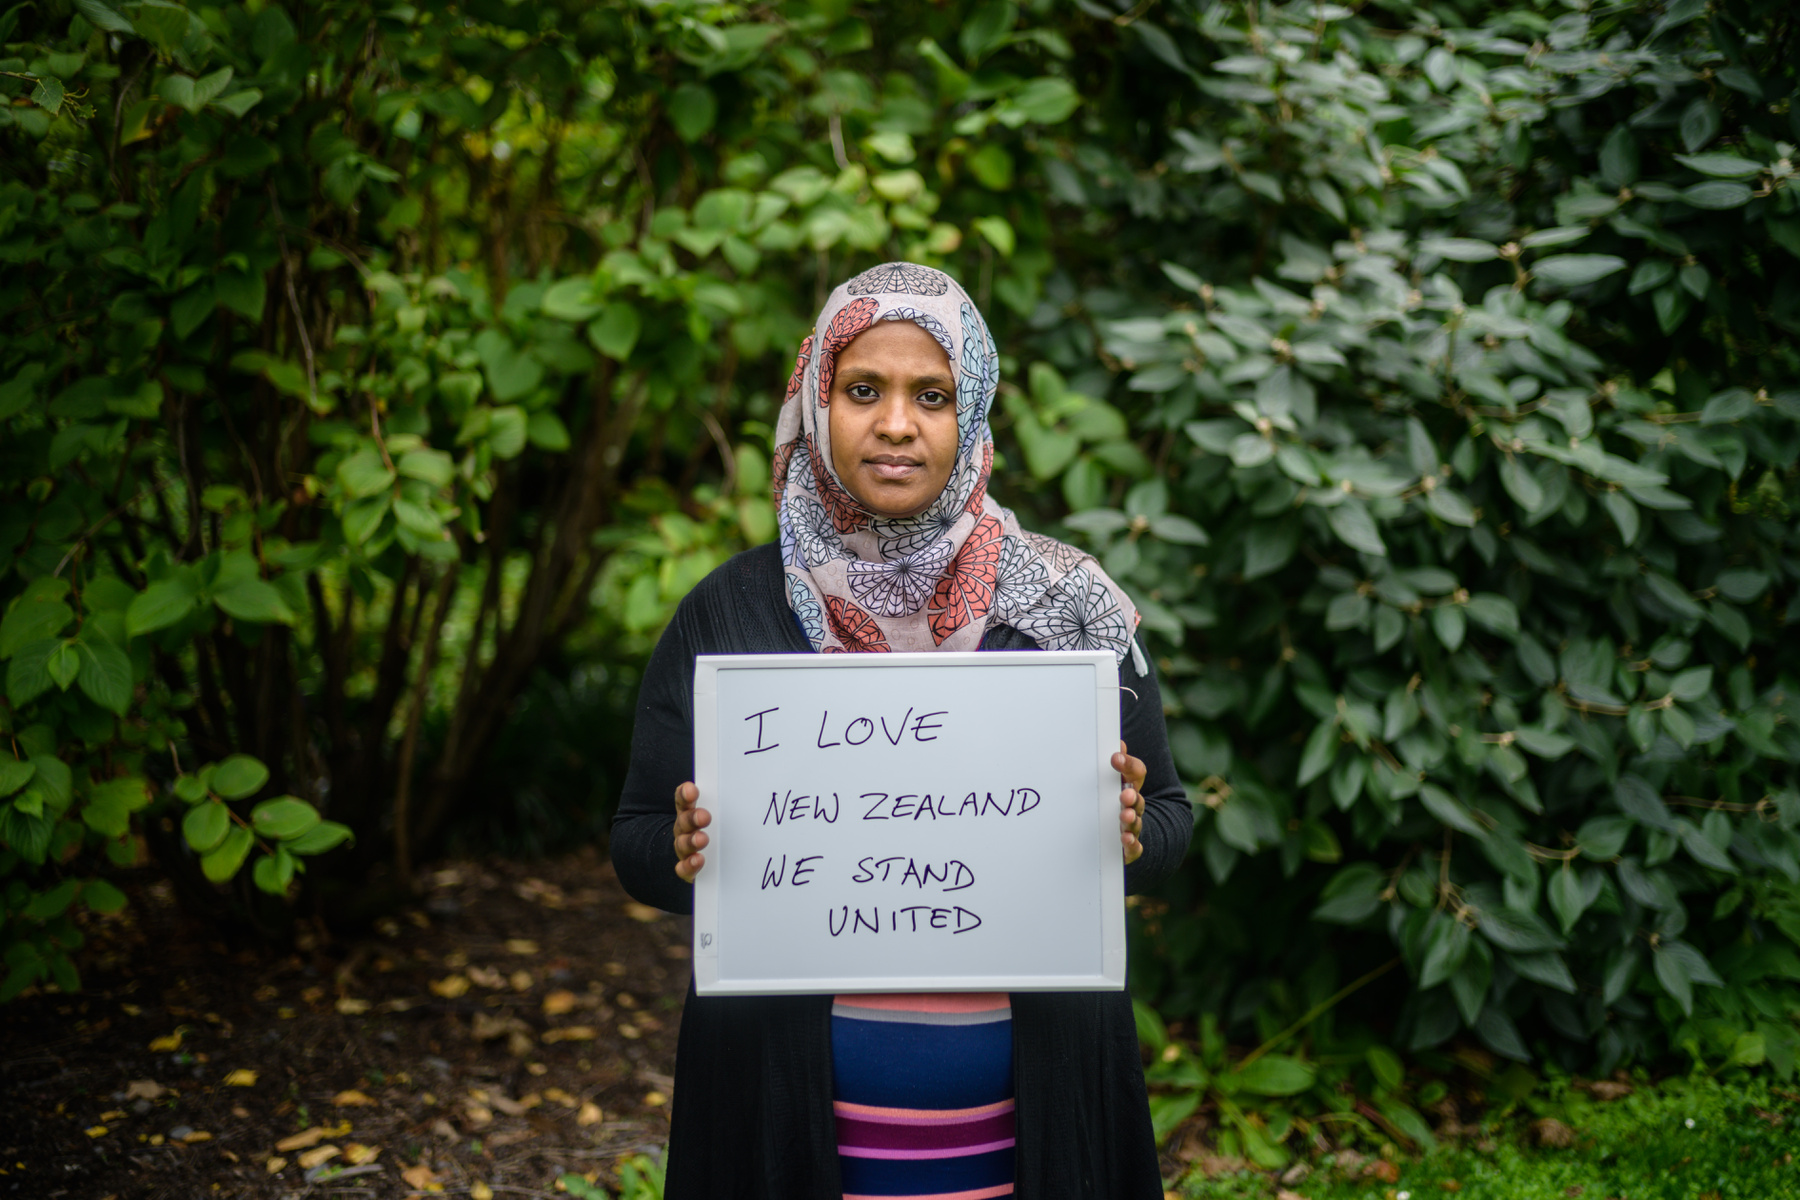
(358, 365)
(1472, 352)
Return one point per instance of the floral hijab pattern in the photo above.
(942, 578)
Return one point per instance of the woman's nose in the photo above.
(893, 421)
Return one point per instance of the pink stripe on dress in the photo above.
(986, 1193)
(942, 1152)
(919, 1116)
(933, 1002)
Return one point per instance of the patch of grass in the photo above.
(1686, 1139)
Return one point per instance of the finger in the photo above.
(689, 867)
(686, 795)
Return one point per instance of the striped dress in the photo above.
(924, 1095)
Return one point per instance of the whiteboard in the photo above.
(908, 822)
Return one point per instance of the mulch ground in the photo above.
(516, 1025)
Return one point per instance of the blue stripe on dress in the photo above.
(914, 1177)
(898, 1064)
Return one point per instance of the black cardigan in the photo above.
(752, 1108)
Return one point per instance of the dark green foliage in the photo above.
(1472, 351)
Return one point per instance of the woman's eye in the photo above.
(934, 399)
(861, 391)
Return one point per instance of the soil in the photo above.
(517, 1025)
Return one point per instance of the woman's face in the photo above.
(893, 419)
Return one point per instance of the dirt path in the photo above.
(516, 1025)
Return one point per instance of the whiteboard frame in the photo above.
(1109, 883)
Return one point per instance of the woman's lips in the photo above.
(893, 468)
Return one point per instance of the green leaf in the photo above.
(101, 896)
(103, 16)
(48, 94)
(1671, 972)
(254, 600)
(1722, 166)
(546, 431)
(322, 837)
(570, 300)
(284, 817)
(1352, 896)
(1321, 749)
(64, 664)
(507, 431)
(1619, 158)
(616, 331)
(54, 780)
(1569, 898)
(162, 604)
(1449, 810)
(1521, 484)
(1494, 613)
(1449, 624)
(1517, 930)
(1717, 194)
(38, 614)
(1275, 1075)
(1460, 249)
(110, 805)
(431, 466)
(15, 773)
(1446, 946)
(239, 776)
(239, 103)
(1353, 525)
(1575, 270)
(28, 674)
(364, 473)
(692, 109)
(223, 863)
(1699, 124)
(105, 675)
(206, 825)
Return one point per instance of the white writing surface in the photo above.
(893, 822)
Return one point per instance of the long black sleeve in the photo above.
(742, 608)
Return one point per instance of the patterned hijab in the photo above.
(942, 578)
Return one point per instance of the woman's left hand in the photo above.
(1131, 803)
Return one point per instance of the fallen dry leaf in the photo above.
(559, 1002)
(144, 1089)
(117, 1114)
(1608, 1089)
(521, 981)
(317, 1155)
(95, 1131)
(199, 1135)
(242, 1077)
(1383, 1170)
(350, 1006)
(480, 1191)
(420, 1177)
(655, 1099)
(131, 1010)
(301, 1140)
(166, 1045)
(561, 1097)
(477, 1115)
(356, 1154)
(521, 946)
(1284, 1194)
(571, 1033)
(1553, 1133)
(352, 1098)
(450, 986)
(487, 977)
(590, 1114)
(642, 912)
(275, 1164)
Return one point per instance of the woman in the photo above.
(890, 541)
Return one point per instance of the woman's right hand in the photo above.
(690, 820)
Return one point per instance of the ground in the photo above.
(515, 1026)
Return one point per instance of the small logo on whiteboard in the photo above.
(705, 940)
